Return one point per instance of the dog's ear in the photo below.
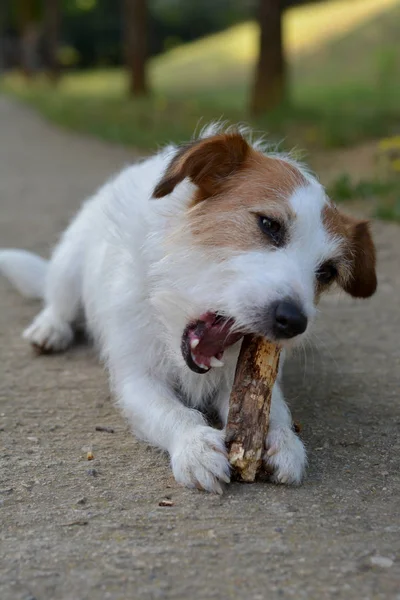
(206, 163)
(362, 282)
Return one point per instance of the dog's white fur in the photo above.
(127, 263)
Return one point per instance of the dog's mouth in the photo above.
(205, 340)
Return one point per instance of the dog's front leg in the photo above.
(285, 455)
(197, 451)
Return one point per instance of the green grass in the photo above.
(344, 188)
(383, 193)
(389, 209)
(344, 58)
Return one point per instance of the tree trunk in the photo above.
(249, 406)
(135, 16)
(2, 37)
(28, 37)
(51, 38)
(269, 84)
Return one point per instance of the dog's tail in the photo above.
(26, 271)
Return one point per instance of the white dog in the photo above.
(171, 262)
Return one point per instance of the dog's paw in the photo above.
(47, 333)
(200, 460)
(285, 456)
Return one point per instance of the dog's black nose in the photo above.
(288, 320)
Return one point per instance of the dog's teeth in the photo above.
(201, 365)
(214, 362)
(194, 343)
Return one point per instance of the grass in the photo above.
(389, 209)
(343, 58)
(379, 188)
(344, 188)
(383, 193)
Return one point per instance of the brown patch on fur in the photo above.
(206, 163)
(359, 251)
(363, 282)
(262, 186)
(239, 183)
(333, 221)
(334, 225)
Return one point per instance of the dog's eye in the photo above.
(272, 228)
(326, 273)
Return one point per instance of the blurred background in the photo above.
(321, 76)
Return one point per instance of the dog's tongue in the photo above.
(209, 337)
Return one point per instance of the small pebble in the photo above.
(105, 429)
(211, 534)
(72, 523)
(166, 502)
(28, 485)
(381, 561)
(90, 456)
(92, 472)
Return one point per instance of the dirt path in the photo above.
(78, 530)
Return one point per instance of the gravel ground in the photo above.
(79, 530)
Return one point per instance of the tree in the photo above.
(2, 36)
(29, 36)
(51, 37)
(135, 16)
(269, 84)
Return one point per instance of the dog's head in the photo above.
(259, 243)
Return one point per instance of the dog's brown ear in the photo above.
(206, 163)
(362, 257)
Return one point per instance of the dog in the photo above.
(171, 262)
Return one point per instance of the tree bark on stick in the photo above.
(249, 406)
(135, 17)
(269, 83)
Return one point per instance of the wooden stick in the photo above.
(249, 406)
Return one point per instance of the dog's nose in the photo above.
(289, 320)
